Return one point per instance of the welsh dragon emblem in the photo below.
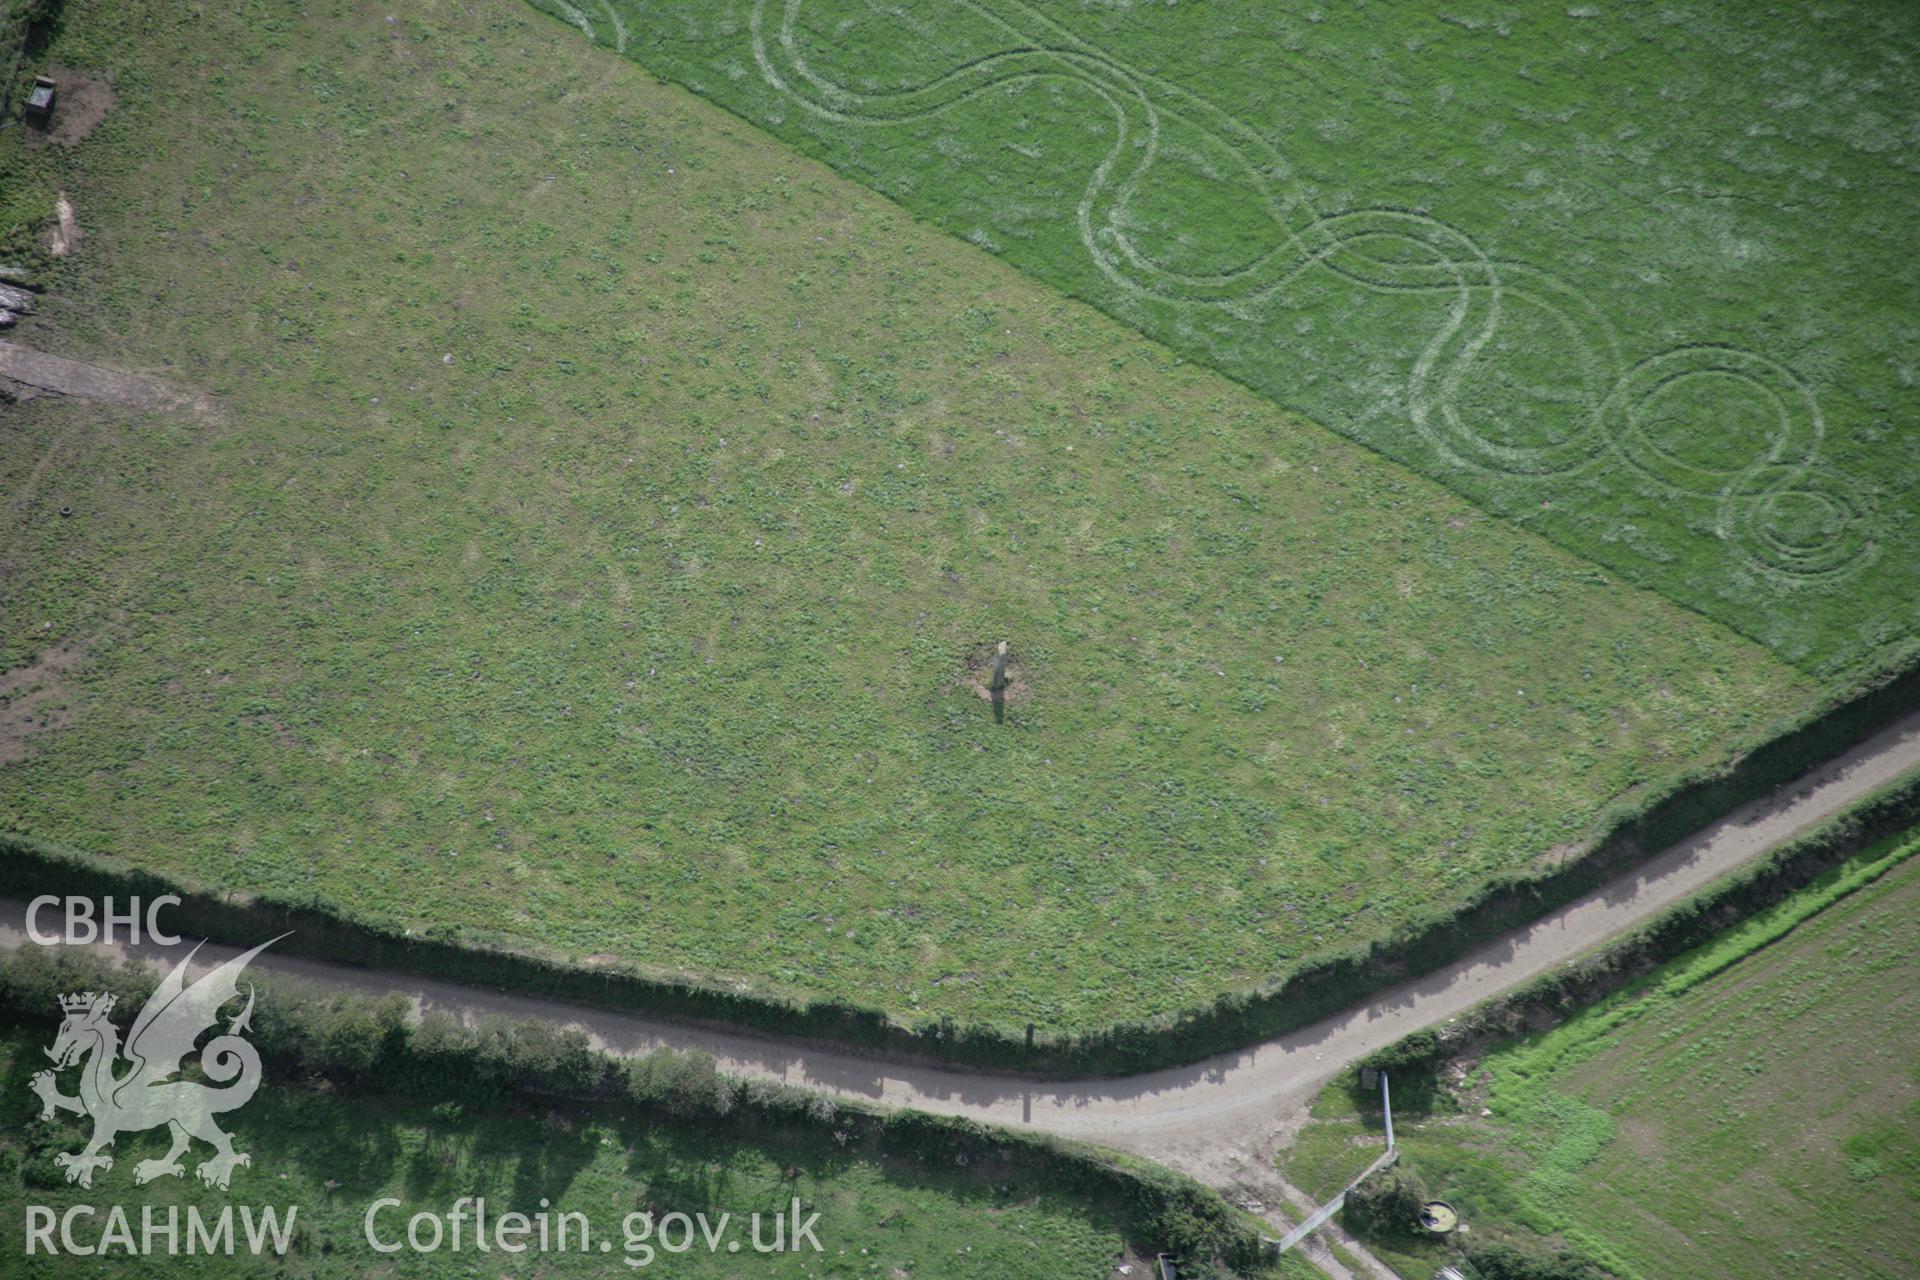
(148, 1092)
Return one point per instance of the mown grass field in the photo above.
(333, 1155)
(1751, 1109)
(609, 509)
(1636, 277)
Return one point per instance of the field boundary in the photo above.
(16, 25)
(29, 867)
(1738, 917)
(1736, 942)
(1633, 960)
(1519, 1072)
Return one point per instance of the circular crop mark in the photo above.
(1798, 525)
(1698, 419)
(1711, 423)
(1799, 519)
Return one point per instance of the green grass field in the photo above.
(334, 1155)
(1634, 276)
(610, 510)
(1751, 1109)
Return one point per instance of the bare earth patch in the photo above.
(95, 382)
(64, 234)
(33, 698)
(81, 102)
(980, 671)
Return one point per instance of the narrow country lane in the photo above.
(1219, 1120)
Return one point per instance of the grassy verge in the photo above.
(1720, 1113)
(641, 635)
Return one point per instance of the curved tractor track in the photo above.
(1219, 1120)
(1387, 250)
(1780, 507)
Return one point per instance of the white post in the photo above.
(1386, 1105)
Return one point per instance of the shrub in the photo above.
(1387, 1204)
(684, 1084)
(1501, 1260)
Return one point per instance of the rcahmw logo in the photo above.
(135, 1088)
(161, 1231)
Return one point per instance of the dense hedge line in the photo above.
(1306, 994)
(1890, 811)
(359, 1041)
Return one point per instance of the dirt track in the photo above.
(94, 382)
(1220, 1119)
